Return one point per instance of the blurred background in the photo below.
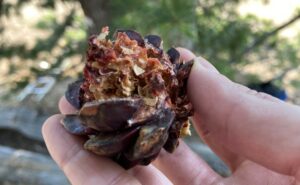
(43, 44)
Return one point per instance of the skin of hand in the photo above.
(256, 135)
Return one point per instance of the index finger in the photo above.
(244, 122)
(65, 107)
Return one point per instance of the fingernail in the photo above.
(204, 63)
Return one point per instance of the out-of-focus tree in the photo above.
(212, 28)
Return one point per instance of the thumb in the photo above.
(237, 121)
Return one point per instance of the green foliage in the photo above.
(296, 83)
(48, 21)
(212, 28)
(172, 19)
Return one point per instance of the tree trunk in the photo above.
(1, 2)
(98, 12)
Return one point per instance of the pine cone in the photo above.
(132, 100)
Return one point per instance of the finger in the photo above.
(65, 107)
(257, 94)
(230, 158)
(185, 167)
(80, 166)
(185, 54)
(246, 124)
(149, 175)
(233, 160)
(253, 173)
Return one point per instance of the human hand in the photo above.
(255, 134)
